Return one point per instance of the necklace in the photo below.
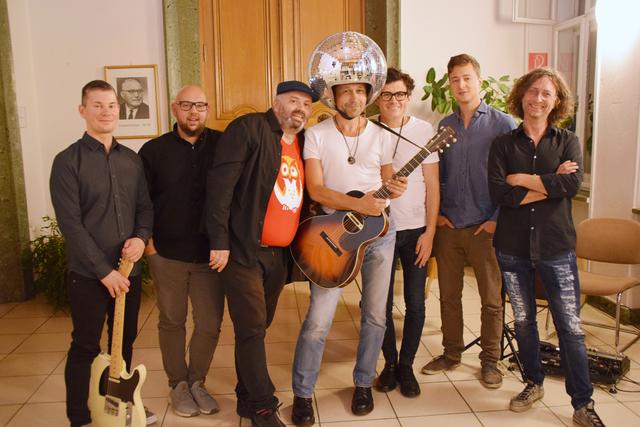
(395, 150)
(352, 156)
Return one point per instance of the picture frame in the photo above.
(137, 90)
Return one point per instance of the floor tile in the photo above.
(56, 324)
(155, 385)
(17, 364)
(17, 390)
(480, 398)
(612, 414)
(7, 307)
(40, 415)
(555, 393)
(8, 343)
(223, 380)
(30, 310)
(436, 398)
(449, 420)
(535, 417)
(45, 342)
(20, 326)
(151, 358)
(223, 357)
(389, 422)
(51, 390)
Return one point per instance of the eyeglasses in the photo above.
(188, 105)
(400, 96)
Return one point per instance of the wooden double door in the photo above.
(249, 46)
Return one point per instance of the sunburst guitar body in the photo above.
(114, 394)
(329, 249)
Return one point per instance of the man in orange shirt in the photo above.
(254, 199)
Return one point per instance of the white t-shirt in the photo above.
(374, 149)
(409, 211)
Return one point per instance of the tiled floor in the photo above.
(34, 340)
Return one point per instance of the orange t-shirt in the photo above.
(283, 210)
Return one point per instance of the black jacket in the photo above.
(240, 183)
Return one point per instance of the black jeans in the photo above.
(414, 278)
(90, 303)
(252, 297)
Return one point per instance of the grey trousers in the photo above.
(175, 283)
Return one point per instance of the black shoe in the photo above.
(362, 401)
(409, 386)
(302, 412)
(267, 417)
(387, 379)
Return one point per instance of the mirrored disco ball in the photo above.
(346, 57)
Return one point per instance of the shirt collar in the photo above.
(551, 131)
(94, 144)
(199, 141)
(482, 109)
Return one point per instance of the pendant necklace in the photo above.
(395, 150)
(352, 156)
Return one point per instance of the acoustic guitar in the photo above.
(329, 248)
(114, 394)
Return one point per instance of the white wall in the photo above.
(431, 31)
(58, 46)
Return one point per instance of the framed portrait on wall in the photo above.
(137, 90)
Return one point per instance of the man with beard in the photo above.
(254, 199)
(176, 166)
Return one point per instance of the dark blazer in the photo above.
(143, 112)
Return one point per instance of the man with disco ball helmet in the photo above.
(347, 153)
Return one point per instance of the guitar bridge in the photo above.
(111, 405)
(331, 244)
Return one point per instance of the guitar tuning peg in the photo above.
(448, 145)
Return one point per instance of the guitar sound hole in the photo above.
(353, 222)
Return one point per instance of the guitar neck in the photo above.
(383, 192)
(117, 362)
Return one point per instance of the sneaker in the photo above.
(523, 401)
(362, 401)
(587, 417)
(268, 417)
(439, 364)
(409, 386)
(203, 399)
(386, 381)
(302, 412)
(491, 377)
(151, 417)
(182, 401)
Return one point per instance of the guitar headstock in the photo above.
(442, 139)
(125, 267)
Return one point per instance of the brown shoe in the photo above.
(439, 364)
(491, 376)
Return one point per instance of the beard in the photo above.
(293, 122)
(189, 131)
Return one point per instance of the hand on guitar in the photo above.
(369, 205)
(115, 283)
(133, 249)
(397, 185)
(218, 259)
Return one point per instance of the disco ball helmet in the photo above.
(344, 58)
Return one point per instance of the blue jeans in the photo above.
(414, 278)
(375, 271)
(559, 276)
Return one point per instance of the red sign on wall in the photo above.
(537, 60)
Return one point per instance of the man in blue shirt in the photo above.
(467, 222)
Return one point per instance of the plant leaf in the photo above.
(431, 75)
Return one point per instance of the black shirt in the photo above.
(176, 172)
(542, 229)
(240, 183)
(101, 200)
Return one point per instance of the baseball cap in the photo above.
(296, 86)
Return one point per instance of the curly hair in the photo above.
(564, 104)
(393, 75)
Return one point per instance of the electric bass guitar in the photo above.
(114, 394)
(329, 248)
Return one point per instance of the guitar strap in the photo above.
(388, 129)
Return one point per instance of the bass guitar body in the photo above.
(116, 401)
(329, 248)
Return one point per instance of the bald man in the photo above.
(176, 167)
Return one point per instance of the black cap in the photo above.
(296, 86)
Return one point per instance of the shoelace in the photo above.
(593, 416)
(527, 392)
(267, 412)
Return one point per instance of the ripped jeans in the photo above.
(559, 276)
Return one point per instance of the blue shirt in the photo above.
(464, 188)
